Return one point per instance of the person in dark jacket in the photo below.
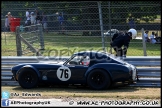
(120, 44)
(117, 34)
(38, 17)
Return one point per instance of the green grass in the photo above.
(68, 44)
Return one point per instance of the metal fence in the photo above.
(149, 70)
(29, 41)
(85, 23)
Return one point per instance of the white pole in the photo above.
(110, 27)
(101, 25)
(144, 43)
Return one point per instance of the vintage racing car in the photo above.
(97, 70)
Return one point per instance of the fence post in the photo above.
(110, 27)
(18, 42)
(144, 43)
(41, 37)
(101, 25)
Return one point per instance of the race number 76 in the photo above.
(63, 73)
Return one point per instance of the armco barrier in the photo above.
(149, 68)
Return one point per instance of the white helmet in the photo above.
(134, 33)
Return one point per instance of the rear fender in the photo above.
(107, 67)
(31, 67)
(99, 66)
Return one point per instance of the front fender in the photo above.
(28, 66)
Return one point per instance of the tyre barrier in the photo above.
(149, 68)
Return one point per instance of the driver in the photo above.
(85, 61)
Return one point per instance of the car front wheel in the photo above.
(28, 78)
(98, 79)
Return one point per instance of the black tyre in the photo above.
(28, 78)
(99, 79)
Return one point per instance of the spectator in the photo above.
(28, 20)
(33, 21)
(9, 19)
(146, 36)
(44, 22)
(38, 17)
(152, 39)
(157, 38)
(7, 26)
(33, 18)
(61, 23)
(131, 23)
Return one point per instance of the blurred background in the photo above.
(84, 25)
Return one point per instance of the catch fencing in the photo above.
(85, 23)
(149, 68)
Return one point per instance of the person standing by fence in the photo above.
(61, 23)
(33, 18)
(157, 38)
(131, 23)
(33, 21)
(28, 20)
(152, 38)
(146, 36)
(38, 17)
(44, 22)
(9, 19)
(7, 26)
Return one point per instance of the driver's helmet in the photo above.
(86, 61)
(134, 33)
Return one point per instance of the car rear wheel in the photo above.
(28, 78)
(98, 79)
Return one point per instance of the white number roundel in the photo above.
(63, 73)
